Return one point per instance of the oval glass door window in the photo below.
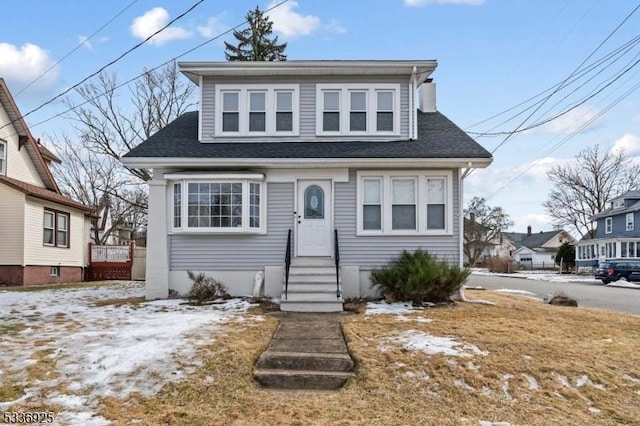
(314, 202)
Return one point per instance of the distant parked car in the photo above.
(614, 270)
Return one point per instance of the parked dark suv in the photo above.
(614, 270)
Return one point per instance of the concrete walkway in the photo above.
(307, 351)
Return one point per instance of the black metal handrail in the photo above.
(287, 265)
(336, 252)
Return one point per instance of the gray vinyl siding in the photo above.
(239, 252)
(373, 251)
(619, 226)
(307, 107)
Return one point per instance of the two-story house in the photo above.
(538, 249)
(329, 161)
(44, 234)
(617, 235)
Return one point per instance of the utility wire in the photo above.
(82, 43)
(108, 64)
(149, 70)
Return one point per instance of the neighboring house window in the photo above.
(404, 203)
(55, 229)
(177, 205)
(608, 225)
(218, 206)
(3, 157)
(362, 109)
(623, 249)
(257, 109)
(629, 221)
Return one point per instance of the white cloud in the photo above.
(630, 143)
(19, 66)
(537, 170)
(537, 221)
(154, 19)
(334, 27)
(84, 40)
(213, 27)
(420, 3)
(571, 122)
(292, 24)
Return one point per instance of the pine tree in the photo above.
(254, 43)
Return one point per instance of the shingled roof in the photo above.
(43, 193)
(438, 137)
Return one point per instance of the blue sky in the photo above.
(492, 55)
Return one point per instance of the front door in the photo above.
(314, 218)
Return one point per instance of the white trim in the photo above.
(421, 177)
(608, 225)
(329, 208)
(245, 229)
(244, 91)
(200, 109)
(292, 175)
(344, 108)
(304, 163)
(629, 224)
(3, 160)
(215, 175)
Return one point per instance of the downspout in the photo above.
(461, 192)
(413, 112)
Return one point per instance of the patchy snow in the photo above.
(584, 380)
(563, 380)
(631, 378)
(403, 318)
(623, 284)
(378, 308)
(490, 423)
(515, 291)
(595, 410)
(533, 383)
(541, 276)
(505, 386)
(418, 341)
(463, 385)
(104, 351)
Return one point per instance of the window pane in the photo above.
(358, 121)
(48, 220)
(230, 122)
(404, 191)
(284, 121)
(314, 202)
(177, 205)
(257, 101)
(384, 122)
(403, 217)
(371, 191)
(435, 216)
(358, 101)
(48, 236)
(371, 218)
(257, 122)
(62, 239)
(331, 122)
(230, 102)
(331, 101)
(62, 222)
(435, 191)
(284, 101)
(385, 101)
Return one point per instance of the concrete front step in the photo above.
(313, 261)
(301, 379)
(290, 305)
(311, 270)
(311, 296)
(311, 287)
(272, 360)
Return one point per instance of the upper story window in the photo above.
(55, 229)
(252, 109)
(629, 221)
(608, 225)
(360, 109)
(3, 157)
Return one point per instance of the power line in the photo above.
(82, 43)
(108, 64)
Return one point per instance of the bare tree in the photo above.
(99, 181)
(110, 125)
(582, 189)
(483, 226)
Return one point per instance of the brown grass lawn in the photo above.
(544, 365)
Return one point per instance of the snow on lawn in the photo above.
(541, 276)
(419, 341)
(515, 291)
(380, 308)
(103, 351)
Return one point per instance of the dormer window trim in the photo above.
(346, 118)
(3, 157)
(257, 110)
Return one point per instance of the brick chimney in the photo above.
(529, 231)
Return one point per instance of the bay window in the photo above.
(257, 109)
(404, 203)
(229, 205)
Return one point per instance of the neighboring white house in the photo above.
(333, 153)
(44, 234)
(538, 250)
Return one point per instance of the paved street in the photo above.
(592, 295)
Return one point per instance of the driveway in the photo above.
(592, 295)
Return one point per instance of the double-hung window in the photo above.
(608, 225)
(55, 229)
(218, 205)
(3, 157)
(629, 221)
(359, 109)
(404, 203)
(255, 109)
